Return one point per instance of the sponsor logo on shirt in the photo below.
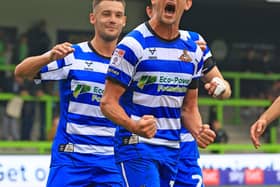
(133, 139)
(145, 80)
(152, 52)
(82, 89)
(66, 147)
(88, 66)
(113, 71)
(166, 83)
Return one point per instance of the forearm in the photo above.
(191, 119)
(190, 116)
(272, 112)
(30, 66)
(116, 114)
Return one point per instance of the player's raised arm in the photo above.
(30, 66)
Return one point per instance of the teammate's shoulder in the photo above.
(137, 37)
(79, 45)
(185, 37)
(82, 47)
(191, 35)
(137, 31)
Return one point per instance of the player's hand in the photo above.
(202, 45)
(257, 129)
(205, 137)
(216, 87)
(146, 126)
(60, 51)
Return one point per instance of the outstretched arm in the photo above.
(258, 128)
(30, 66)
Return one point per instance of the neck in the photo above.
(103, 47)
(165, 31)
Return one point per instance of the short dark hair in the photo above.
(96, 2)
(148, 3)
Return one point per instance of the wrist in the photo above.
(49, 56)
(263, 121)
(132, 126)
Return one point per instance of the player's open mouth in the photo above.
(170, 8)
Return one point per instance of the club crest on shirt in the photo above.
(185, 57)
(117, 56)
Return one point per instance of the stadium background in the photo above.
(232, 28)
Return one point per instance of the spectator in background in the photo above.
(2, 47)
(267, 62)
(256, 61)
(221, 134)
(21, 50)
(38, 39)
(2, 73)
(38, 42)
(27, 88)
(7, 84)
(216, 126)
(2, 60)
(13, 112)
(248, 64)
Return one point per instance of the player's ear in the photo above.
(92, 18)
(149, 11)
(188, 4)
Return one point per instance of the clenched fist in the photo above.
(205, 137)
(146, 126)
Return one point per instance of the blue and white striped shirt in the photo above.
(157, 74)
(84, 136)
